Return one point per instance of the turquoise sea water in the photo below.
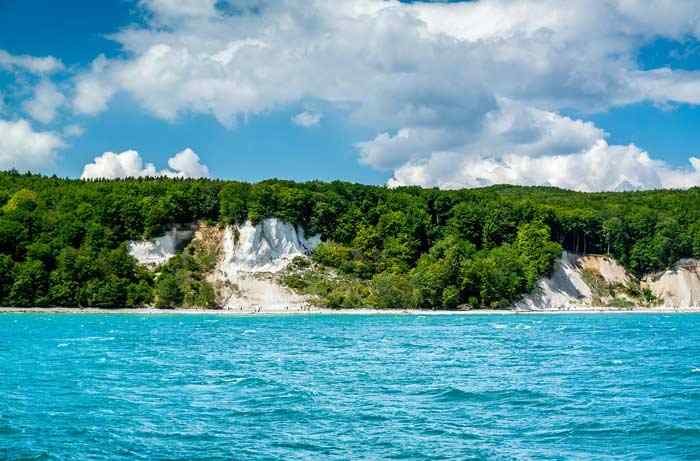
(83, 387)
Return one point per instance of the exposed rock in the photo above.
(610, 270)
(246, 260)
(251, 259)
(581, 282)
(678, 286)
(268, 246)
(157, 251)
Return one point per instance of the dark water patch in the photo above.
(509, 396)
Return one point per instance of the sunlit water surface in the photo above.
(81, 387)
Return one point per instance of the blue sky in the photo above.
(403, 93)
(263, 147)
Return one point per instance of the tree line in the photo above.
(63, 242)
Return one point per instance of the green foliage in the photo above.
(537, 252)
(494, 278)
(437, 279)
(62, 242)
(168, 292)
(182, 282)
(7, 270)
(30, 284)
(333, 255)
(233, 203)
(391, 291)
(22, 200)
(337, 292)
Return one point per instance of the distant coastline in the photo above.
(327, 311)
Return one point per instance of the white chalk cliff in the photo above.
(678, 286)
(250, 259)
(576, 281)
(267, 247)
(159, 250)
(593, 281)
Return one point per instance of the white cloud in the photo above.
(187, 164)
(307, 119)
(599, 168)
(93, 90)
(177, 9)
(349, 55)
(23, 148)
(387, 151)
(509, 128)
(45, 102)
(32, 64)
(479, 84)
(73, 131)
(663, 85)
(396, 63)
(129, 164)
(519, 145)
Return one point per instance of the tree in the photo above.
(168, 292)
(30, 284)
(392, 291)
(233, 203)
(537, 252)
(7, 267)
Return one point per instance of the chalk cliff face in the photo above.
(267, 247)
(159, 250)
(678, 286)
(593, 281)
(251, 257)
(579, 282)
(250, 261)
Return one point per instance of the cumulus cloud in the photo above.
(307, 119)
(129, 164)
(23, 148)
(479, 84)
(509, 128)
(93, 91)
(521, 145)
(32, 64)
(45, 103)
(600, 168)
(419, 62)
(186, 164)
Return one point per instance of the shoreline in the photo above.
(327, 311)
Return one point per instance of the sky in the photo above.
(585, 95)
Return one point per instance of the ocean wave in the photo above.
(455, 394)
(446, 388)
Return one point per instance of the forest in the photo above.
(63, 242)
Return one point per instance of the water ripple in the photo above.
(349, 387)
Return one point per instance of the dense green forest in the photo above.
(63, 242)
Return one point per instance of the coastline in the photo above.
(327, 311)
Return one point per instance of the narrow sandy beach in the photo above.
(326, 311)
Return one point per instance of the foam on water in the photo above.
(602, 387)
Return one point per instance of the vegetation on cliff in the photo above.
(63, 242)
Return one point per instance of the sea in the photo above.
(349, 387)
